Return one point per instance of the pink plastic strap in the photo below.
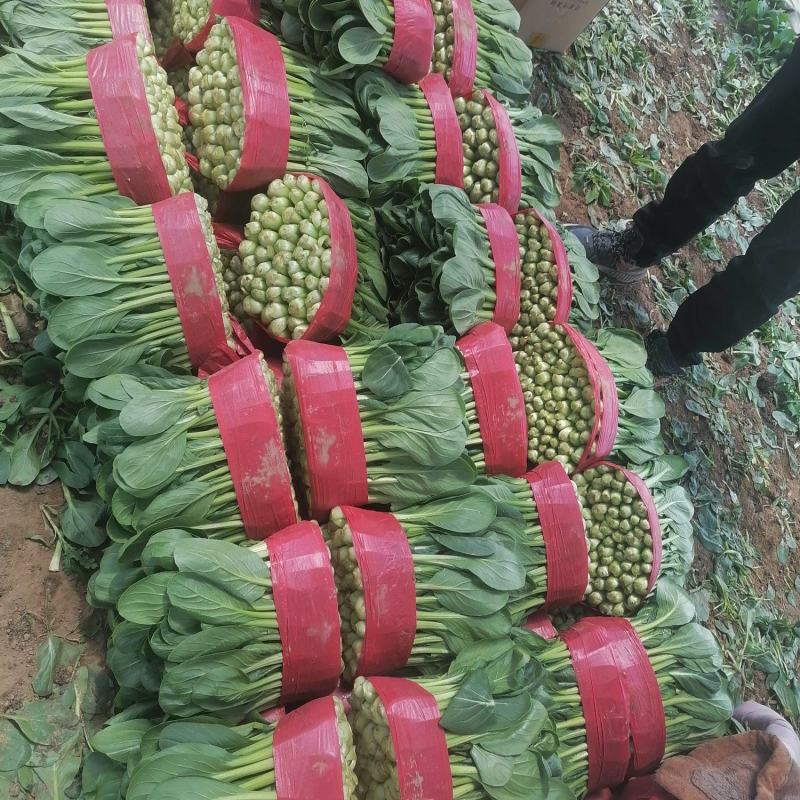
(128, 16)
(265, 97)
(563, 272)
(227, 354)
(304, 593)
(652, 518)
(123, 115)
(246, 9)
(250, 433)
(509, 176)
(387, 571)
(465, 49)
(420, 745)
(446, 131)
(564, 534)
(307, 753)
(333, 314)
(412, 49)
(334, 444)
(499, 403)
(191, 274)
(183, 117)
(541, 624)
(228, 237)
(176, 56)
(504, 246)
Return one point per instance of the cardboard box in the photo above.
(555, 24)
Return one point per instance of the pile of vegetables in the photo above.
(324, 135)
(285, 259)
(55, 138)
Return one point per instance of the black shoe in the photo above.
(612, 251)
(662, 361)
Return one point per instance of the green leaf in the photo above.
(385, 374)
(74, 464)
(360, 45)
(25, 459)
(502, 571)
(79, 521)
(514, 742)
(121, 740)
(206, 602)
(528, 779)
(69, 270)
(146, 466)
(464, 310)
(198, 788)
(218, 639)
(159, 552)
(80, 318)
(465, 545)
(146, 602)
(53, 654)
(464, 594)
(645, 404)
(438, 372)
(152, 413)
(493, 769)
(151, 774)
(104, 354)
(398, 125)
(471, 711)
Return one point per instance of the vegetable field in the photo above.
(329, 467)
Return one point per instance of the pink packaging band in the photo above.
(509, 177)
(333, 441)
(499, 404)
(227, 354)
(175, 56)
(304, 592)
(246, 9)
(504, 247)
(564, 534)
(387, 572)
(446, 131)
(228, 237)
(563, 272)
(541, 624)
(420, 745)
(128, 16)
(123, 115)
(412, 49)
(251, 438)
(465, 49)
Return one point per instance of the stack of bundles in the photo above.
(420, 135)
(468, 42)
(132, 284)
(206, 456)
(94, 124)
(225, 629)
(476, 263)
(382, 421)
(260, 110)
(306, 753)
(627, 694)
(480, 732)
(309, 265)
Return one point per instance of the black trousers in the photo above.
(760, 144)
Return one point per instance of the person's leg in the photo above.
(743, 297)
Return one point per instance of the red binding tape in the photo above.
(123, 116)
(191, 274)
(333, 314)
(541, 624)
(183, 118)
(304, 593)
(504, 247)
(509, 177)
(307, 754)
(265, 97)
(563, 272)
(652, 517)
(228, 237)
(387, 571)
(175, 56)
(246, 9)
(420, 745)
(225, 355)
(412, 49)
(499, 403)
(465, 49)
(128, 16)
(564, 534)
(334, 444)
(446, 131)
(251, 438)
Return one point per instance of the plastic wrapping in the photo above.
(246, 9)
(225, 355)
(387, 572)
(446, 131)
(250, 433)
(564, 534)
(265, 98)
(504, 245)
(412, 49)
(228, 237)
(307, 753)
(334, 444)
(563, 272)
(499, 403)
(175, 56)
(128, 16)
(465, 49)
(420, 745)
(182, 108)
(334, 311)
(306, 607)
(123, 115)
(509, 176)
(541, 624)
(191, 274)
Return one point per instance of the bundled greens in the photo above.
(284, 265)
(688, 665)
(112, 303)
(403, 152)
(56, 138)
(324, 132)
